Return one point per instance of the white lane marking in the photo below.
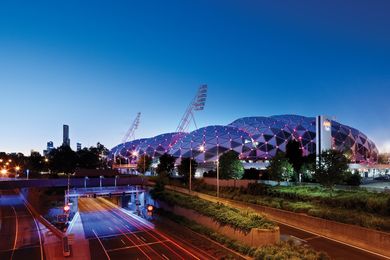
(137, 246)
(123, 242)
(165, 256)
(100, 242)
(16, 232)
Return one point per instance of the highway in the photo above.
(112, 234)
(19, 234)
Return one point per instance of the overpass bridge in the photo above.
(76, 182)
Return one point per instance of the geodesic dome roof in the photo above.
(215, 140)
(271, 134)
(254, 138)
(158, 145)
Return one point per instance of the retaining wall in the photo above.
(369, 239)
(228, 183)
(256, 237)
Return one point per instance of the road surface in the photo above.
(19, 234)
(113, 234)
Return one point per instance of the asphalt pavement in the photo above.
(112, 234)
(19, 234)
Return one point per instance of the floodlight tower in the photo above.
(129, 134)
(196, 104)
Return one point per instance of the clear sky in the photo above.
(95, 64)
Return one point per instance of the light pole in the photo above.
(101, 178)
(116, 177)
(189, 186)
(85, 181)
(217, 170)
(17, 168)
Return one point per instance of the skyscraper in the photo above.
(49, 148)
(78, 147)
(66, 140)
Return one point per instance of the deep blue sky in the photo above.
(94, 65)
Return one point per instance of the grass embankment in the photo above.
(282, 250)
(363, 208)
(224, 215)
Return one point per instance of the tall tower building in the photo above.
(65, 134)
(323, 134)
(78, 146)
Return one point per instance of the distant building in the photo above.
(49, 148)
(78, 146)
(65, 139)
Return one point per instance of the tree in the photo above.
(280, 169)
(294, 154)
(307, 171)
(35, 162)
(353, 179)
(143, 163)
(88, 158)
(230, 167)
(166, 165)
(251, 174)
(63, 159)
(184, 168)
(332, 168)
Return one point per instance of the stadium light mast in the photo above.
(130, 134)
(196, 104)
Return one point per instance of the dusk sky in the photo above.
(94, 64)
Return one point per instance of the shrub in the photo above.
(220, 213)
(288, 250)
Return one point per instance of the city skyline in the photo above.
(94, 67)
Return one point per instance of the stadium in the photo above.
(253, 138)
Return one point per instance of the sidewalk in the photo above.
(53, 245)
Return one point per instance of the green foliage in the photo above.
(294, 154)
(288, 250)
(360, 207)
(284, 250)
(220, 213)
(251, 174)
(184, 168)
(63, 159)
(88, 158)
(166, 165)
(331, 168)
(143, 163)
(307, 171)
(230, 167)
(280, 169)
(353, 179)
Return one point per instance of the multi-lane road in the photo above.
(114, 234)
(19, 233)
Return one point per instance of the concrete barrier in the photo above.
(228, 183)
(256, 237)
(368, 239)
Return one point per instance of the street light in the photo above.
(3, 171)
(116, 177)
(217, 170)
(85, 181)
(17, 168)
(101, 178)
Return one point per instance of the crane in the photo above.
(196, 104)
